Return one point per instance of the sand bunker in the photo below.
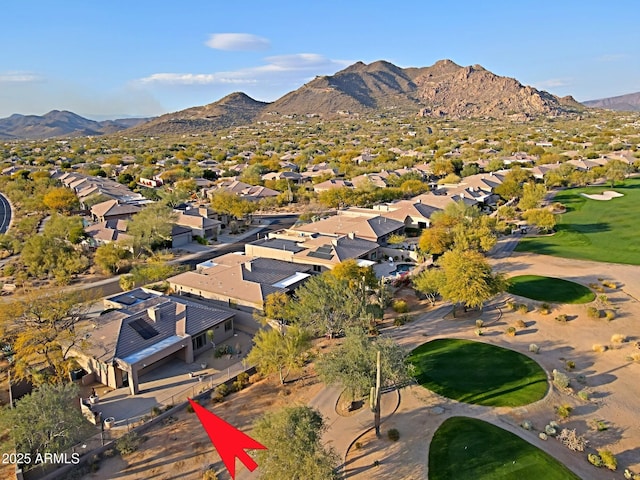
(606, 195)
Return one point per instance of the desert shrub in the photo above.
(393, 434)
(560, 380)
(608, 459)
(609, 314)
(479, 323)
(533, 348)
(570, 365)
(128, 443)
(635, 357)
(374, 331)
(584, 394)
(242, 380)
(598, 425)
(550, 430)
(511, 331)
(599, 348)
(542, 436)
(593, 312)
(611, 285)
(618, 338)
(563, 411)
(545, 309)
(478, 332)
(527, 425)
(511, 305)
(219, 393)
(520, 323)
(573, 441)
(357, 445)
(595, 460)
(401, 320)
(562, 318)
(109, 453)
(522, 308)
(190, 407)
(155, 411)
(209, 474)
(400, 306)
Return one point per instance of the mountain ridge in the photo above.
(629, 102)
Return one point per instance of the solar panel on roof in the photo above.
(142, 295)
(145, 330)
(319, 254)
(324, 249)
(127, 300)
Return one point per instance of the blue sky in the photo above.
(141, 58)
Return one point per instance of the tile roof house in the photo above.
(332, 183)
(237, 280)
(113, 210)
(109, 231)
(145, 329)
(374, 228)
(200, 225)
(321, 251)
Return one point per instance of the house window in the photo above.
(317, 268)
(228, 325)
(199, 341)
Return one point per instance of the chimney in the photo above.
(154, 313)
(248, 265)
(181, 319)
(351, 235)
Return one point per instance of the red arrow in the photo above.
(227, 440)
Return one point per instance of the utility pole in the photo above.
(374, 397)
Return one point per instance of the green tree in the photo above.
(45, 256)
(276, 306)
(511, 186)
(60, 199)
(355, 275)
(111, 258)
(293, 437)
(151, 227)
(328, 305)
(544, 219)
(353, 364)
(616, 171)
(429, 282)
(276, 352)
(62, 227)
(468, 278)
(532, 195)
(44, 329)
(227, 203)
(46, 421)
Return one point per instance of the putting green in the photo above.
(469, 449)
(480, 373)
(549, 289)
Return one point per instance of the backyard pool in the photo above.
(402, 269)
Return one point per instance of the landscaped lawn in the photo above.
(605, 231)
(469, 449)
(480, 373)
(549, 289)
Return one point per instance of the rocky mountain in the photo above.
(59, 124)
(629, 102)
(234, 109)
(444, 89)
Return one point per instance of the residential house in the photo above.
(244, 190)
(198, 224)
(146, 330)
(112, 210)
(374, 228)
(332, 183)
(109, 231)
(322, 252)
(240, 281)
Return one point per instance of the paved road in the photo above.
(5, 214)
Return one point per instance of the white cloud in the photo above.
(237, 42)
(19, 77)
(554, 83)
(612, 57)
(290, 69)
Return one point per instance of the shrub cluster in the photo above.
(393, 434)
(560, 380)
(128, 443)
(400, 306)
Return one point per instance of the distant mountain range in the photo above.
(58, 123)
(629, 103)
(442, 90)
